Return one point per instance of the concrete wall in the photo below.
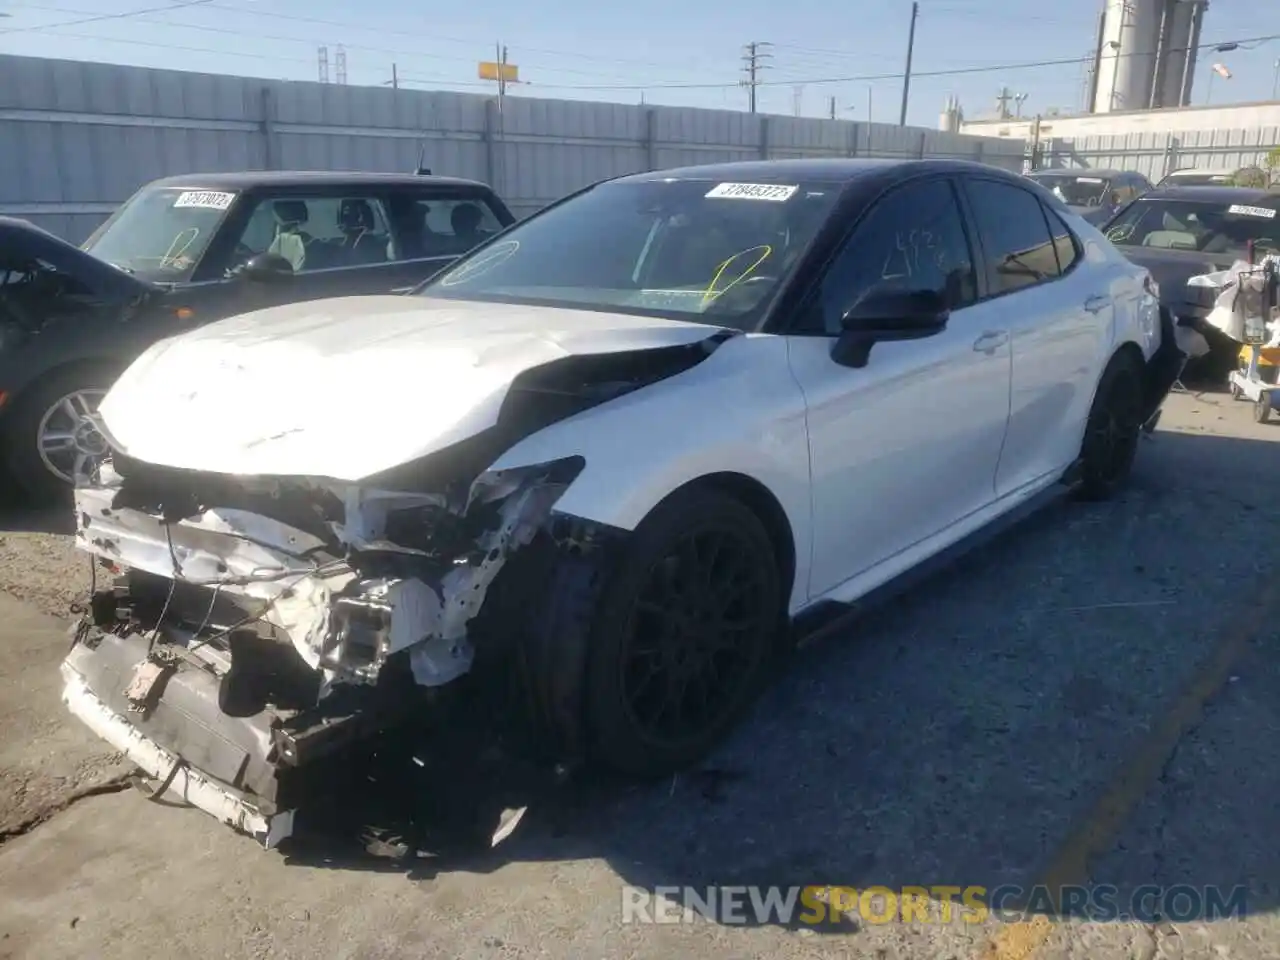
(78, 138)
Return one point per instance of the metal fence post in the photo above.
(270, 146)
(920, 150)
(650, 143)
(853, 139)
(1170, 154)
(764, 138)
(490, 149)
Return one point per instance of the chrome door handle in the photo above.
(1097, 304)
(991, 341)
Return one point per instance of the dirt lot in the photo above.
(1092, 698)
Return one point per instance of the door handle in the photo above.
(990, 342)
(1097, 304)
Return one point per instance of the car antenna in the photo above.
(422, 171)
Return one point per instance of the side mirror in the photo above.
(887, 317)
(266, 268)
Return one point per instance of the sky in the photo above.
(667, 52)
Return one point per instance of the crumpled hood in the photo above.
(349, 387)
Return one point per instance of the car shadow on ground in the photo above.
(959, 734)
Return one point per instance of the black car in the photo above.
(185, 251)
(1095, 195)
(1181, 232)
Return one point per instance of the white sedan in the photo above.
(595, 479)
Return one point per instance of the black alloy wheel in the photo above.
(1112, 432)
(684, 634)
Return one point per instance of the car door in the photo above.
(1058, 309)
(906, 446)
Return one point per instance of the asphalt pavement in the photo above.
(1090, 699)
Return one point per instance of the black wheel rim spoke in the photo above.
(690, 646)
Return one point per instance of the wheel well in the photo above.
(117, 367)
(758, 498)
(1129, 353)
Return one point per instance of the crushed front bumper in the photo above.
(176, 778)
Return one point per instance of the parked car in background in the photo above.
(188, 250)
(1094, 195)
(1180, 232)
(1195, 177)
(608, 466)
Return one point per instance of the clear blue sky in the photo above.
(669, 49)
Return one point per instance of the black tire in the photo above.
(1112, 431)
(1234, 389)
(21, 449)
(1262, 408)
(619, 736)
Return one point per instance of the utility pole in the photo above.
(833, 108)
(798, 104)
(753, 62)
(1275, 83)
(906, 77)
(395, 78)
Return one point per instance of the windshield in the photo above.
(1080, 191)
(680, 249)
(161, 233)
(1218, 229)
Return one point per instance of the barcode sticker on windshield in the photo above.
(1242, 210)
(209, 199)
(775, 192)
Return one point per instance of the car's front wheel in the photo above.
(51, 435)
(683, 634)
(1112, 431)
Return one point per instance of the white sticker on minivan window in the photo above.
(1265, 212)
(775, 192)
(209, 199)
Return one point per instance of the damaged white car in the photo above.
(608, 466)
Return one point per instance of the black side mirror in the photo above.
(266, 268)
(888, 316)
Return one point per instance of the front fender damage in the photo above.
(258, 632)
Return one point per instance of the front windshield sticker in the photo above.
(774, 192)
(1264, 212)
(208, 199)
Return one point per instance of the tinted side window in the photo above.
(429, 225)
(913, 240)
(318, 233)
(1015, 238)
(1064, 244)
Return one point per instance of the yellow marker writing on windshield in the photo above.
(711, 292)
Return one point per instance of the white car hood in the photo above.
(349, 387)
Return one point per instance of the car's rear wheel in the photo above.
(1262, 407)
(1112, 431)
(51, 435)
(683, 634)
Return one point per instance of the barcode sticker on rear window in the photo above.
(1242, 210)
(775, 192)
(209, 199)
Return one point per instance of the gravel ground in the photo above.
(962, 736)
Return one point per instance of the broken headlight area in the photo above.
(253, 626)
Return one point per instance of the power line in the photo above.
(167, 8)
(1245, 43)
